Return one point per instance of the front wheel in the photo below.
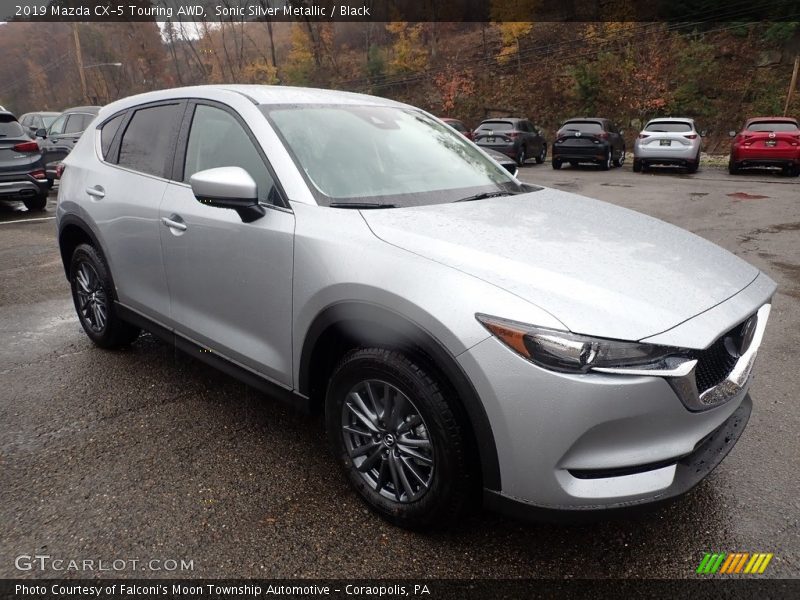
(521, 156)
(93, 296)
(733, 168)
(393, 428)
(542, 155)
(556, 163)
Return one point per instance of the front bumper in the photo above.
(593, 441)
(688, 472)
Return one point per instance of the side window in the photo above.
(57, 127)
(148, 139)
(108, 132)
(217, 139)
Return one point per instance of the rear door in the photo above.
(124, 197)
(230, 282)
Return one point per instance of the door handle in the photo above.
(96, 192)
(174, 222)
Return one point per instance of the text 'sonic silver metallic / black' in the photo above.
(469, 337)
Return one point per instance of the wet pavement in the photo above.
(148, 454)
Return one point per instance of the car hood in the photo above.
(600, 269)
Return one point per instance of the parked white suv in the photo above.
(668, 141)
(467, 335)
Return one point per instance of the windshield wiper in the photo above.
(485, 195)
(360, 205)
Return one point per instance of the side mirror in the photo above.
(228, 187)
(732, 133)
(42, 132)
(622, 132)
(703, 133)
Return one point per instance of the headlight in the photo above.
(570, 353)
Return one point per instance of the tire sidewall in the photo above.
(87, 254)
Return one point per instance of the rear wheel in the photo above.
(521, 156)
(393, 428)
(620, 160)
(557, 163)
(37, 203)
(733, 168)
(542, 155)
(637, 165)
(93, 296)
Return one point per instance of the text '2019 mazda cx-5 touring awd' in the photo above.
(469, 337)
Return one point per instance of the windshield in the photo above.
(669, 126)
(48, 120)
(772, 126)
(383, 156)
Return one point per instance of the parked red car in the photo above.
(767, 142)
(458, 126)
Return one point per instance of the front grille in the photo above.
(715, 362)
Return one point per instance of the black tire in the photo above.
(606, 164)
(521, 156)
(620, 160)
(36, 203)
(50, 183)
(733, 168)
(637, 165)
(452, 484)
(542, 155)
(91, 286)
(556, 163)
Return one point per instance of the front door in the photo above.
(230, 282)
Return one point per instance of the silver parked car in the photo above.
(668, 141)
(470, 338)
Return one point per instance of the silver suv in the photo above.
(469, 338)
(668, 141)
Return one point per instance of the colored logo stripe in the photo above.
(736, 562)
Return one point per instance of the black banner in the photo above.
(207, 589)
(402, 10)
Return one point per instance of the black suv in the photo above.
(21, 167)
(516, 138)
(58, 140)
(589, 139)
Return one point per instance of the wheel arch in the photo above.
(73, 231)
(346, 325)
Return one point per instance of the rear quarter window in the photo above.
(107, 133)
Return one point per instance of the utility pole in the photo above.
(79, 56)
(792, 85)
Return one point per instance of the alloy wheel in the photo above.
(387, 441)
(92, 300)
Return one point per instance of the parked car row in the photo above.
(665, 141)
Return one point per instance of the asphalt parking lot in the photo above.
(148, 454)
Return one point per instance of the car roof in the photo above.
(775, 119)
(587, 119)
(258, 94)
(84, 109)
(674, 119)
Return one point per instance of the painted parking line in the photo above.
(26, 220)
